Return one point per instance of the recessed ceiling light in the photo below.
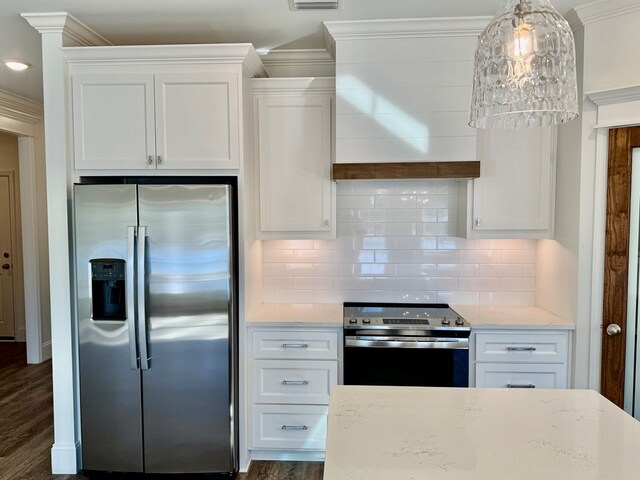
(16, 65)
(314, 4)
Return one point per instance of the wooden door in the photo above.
(622, 141)
(7, 319)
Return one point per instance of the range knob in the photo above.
(366, 320)
(445, 321)
(353, 320)
(459, 321)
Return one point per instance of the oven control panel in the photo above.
(455, 321)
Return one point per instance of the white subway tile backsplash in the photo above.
(513, 271)
(394, 283)
(313, 283)
(519, 256)
(313, 256)
(416, 187)
(416, 243)
(436, 283)
(277, 256)
(354, 201)
(397, 243)
(417, 215)
(417, 297)
(397, 229)
(395, 201)
(278, 283)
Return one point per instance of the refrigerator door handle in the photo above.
(130, 295)
(142, 314)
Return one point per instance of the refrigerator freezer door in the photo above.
(110, 386)
(186, 390)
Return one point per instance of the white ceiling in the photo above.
(268, 24)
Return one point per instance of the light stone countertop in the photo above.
(382, 433)
(480, 316)
(297, 314)
(507, 316)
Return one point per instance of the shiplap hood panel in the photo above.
(403, 89)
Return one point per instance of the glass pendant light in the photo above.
(525, 69)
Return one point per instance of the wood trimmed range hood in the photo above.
(405, 170)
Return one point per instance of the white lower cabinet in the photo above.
(521, 358)
(291, 372)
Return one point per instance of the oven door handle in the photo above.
(389, 342)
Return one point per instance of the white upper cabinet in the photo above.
(113, 121)
(294, 140)
(196, 120)
(515, 194)
(172, 121)
(172, 107)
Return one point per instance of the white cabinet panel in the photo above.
(295, 344)
(294, 136)
(196, 120)
(547, 348)
(526, 375)
(282, 381)
(515, 194)
(113, 121)
(521, 359)
(291, 427)
(291, 371)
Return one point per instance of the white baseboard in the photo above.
(46, 350)
(64, 458)
(287, 455)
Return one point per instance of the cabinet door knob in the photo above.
(150, 159)
(159, 159)
(477, 222)
(326, 224)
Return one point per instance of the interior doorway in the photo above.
(7, 253)
(617, 325)
(12, 319)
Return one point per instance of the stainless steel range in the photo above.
(405, 345)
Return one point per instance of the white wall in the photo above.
(397, 243)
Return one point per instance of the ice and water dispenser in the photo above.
(108, 289)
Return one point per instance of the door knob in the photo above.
(6, 266)
(5, 254)
(613, 330)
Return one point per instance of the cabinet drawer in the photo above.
(521, 347)
(295, 344)
(289, 427)
(282, 381)
(534, 375)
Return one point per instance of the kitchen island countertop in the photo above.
(377, 433)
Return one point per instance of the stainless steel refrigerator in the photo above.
(156, 331)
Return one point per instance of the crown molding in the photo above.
(293, 85)
(20, 108)
(407, 28)
(67, 25)
(603, 10)
(615, 95)
(302, 57)
(226, 53)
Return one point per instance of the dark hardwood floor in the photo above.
(26, 427)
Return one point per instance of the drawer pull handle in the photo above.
(515, 385)
(295, 382)
(295, 427)
(521, 349)
(295, 345)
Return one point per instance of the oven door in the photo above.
(406, 361)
